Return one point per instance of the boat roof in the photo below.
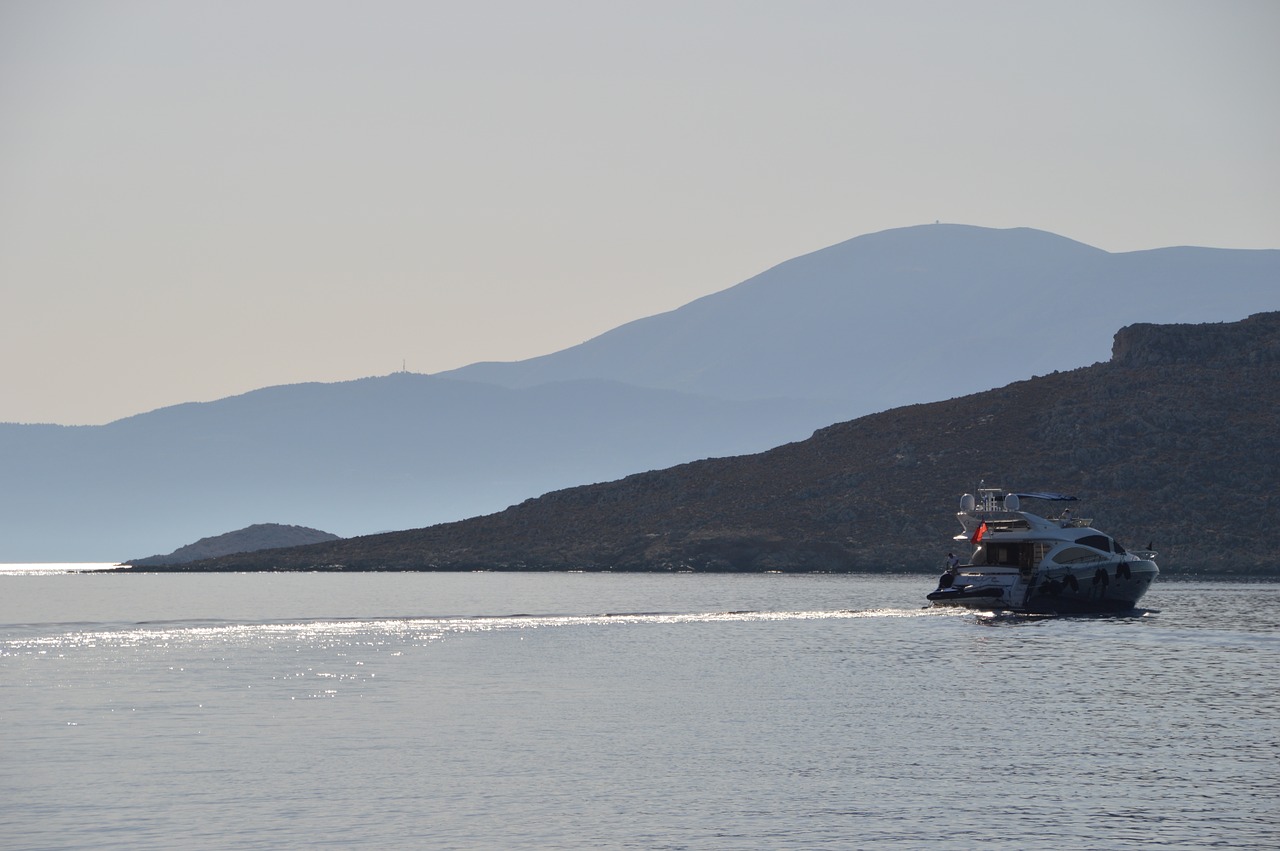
(990, 508)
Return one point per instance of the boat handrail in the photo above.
(996, 516)
(1003, 515)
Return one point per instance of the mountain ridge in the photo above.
(958, 281)
(396, 451)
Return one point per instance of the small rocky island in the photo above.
(251, 539)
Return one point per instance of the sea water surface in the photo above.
(574, 711)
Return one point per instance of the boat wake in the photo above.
(44, 637)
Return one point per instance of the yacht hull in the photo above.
(1099, 590)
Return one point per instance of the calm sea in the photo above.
(575, 711)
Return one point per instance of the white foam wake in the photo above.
(67, 636)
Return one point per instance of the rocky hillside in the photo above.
(260, 536)
(1174, 442)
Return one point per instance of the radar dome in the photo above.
(1011, 502)
(966, 502)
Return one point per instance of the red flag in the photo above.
(977, 536)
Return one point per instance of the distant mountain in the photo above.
(883, 320)
(260, 536)
(395, 452)
(1174, 443)
(911, 315)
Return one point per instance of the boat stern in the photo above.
(972, 588)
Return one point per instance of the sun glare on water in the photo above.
(45, 568)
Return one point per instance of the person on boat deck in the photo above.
(948, 577)
(1066, 518)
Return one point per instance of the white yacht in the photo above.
(1024, 562)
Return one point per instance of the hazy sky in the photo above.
(199, 199)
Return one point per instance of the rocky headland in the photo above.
(1175, 442)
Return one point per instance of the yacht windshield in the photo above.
(1098, 542)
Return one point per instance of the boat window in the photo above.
(1098, 542)
(1072, 555)
(1008, 555)
(1119, 549)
